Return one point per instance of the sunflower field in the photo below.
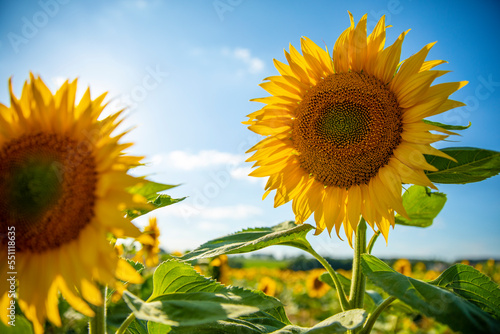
(345, 140)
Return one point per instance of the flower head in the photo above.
(62, 190)
(315, 287)
(403, 266)
(219, 268)
(343, 132)
(267, 285)
(150, 250)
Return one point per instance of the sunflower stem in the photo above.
(358, 279)
(374, 316)
(344, 303)
(374, 237)
(125, 324)
(97, 324)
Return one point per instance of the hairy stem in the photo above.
(358, 279)
(97, 324)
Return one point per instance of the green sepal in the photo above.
(447, 126)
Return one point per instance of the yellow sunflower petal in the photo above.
(358, 47)
(333, 207)
(311, 199)
(388, 60)
(410, 67)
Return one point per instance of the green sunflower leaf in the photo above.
(256, 323)
(138, 327)
(139, 267)
(252, 239)
(164, 200)
(447, 126)
(191, 308)
(21, 325)
(183, 297)
(159, 201)
(339, 323)
(472, 285)
(473, 165)
(149, 189)
(260, 324)
(433, 301)
(157, 328)
(176, 276)
(422, 206)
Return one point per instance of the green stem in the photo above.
(374, 237)
(97, 324)
(358, 279)
(125, 324)
(344, 303)
(373, 317)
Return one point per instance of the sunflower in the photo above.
(315, 287)
(403, 266)
(62, 191)
(431, 275)
(343, 132)
(150, 250)
(267, 285)
(420, 267)
(220, 269)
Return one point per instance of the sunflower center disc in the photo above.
(346, 129)
(317, 284)
(47, 187)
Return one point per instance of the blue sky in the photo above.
(187, 70)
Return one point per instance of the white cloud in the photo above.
(256, 65)
(253, 65)
(233, 212)
(222, 166)
(207, 158)
(227, 60)
(241, 173)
